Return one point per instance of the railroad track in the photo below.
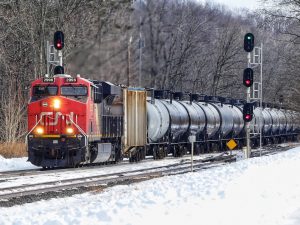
(28, 172)
(111, 179)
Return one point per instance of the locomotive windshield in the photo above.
(44, 90)
(73, 90)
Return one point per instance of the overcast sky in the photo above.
(250, 4)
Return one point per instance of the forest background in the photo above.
(179, 45)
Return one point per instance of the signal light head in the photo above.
(58, 40)
(249, 42)
(248, 112)
(248, 77)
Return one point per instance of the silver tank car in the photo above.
(213, 119)
(255, 125)
(179, 118)
(266, 123)
(275, 121)
(282, 120)
(158, 120)
(226, 118)
(296, 125)
(289, 118)
(267, 120)
(238, 122)
(197, 117)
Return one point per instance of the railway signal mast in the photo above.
(248, 78)
(54, 53)
(248, 81)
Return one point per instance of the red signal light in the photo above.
(248, 77)
(58, 45)
(248, 112)
(58, 40)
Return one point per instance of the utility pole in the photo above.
(141, 45)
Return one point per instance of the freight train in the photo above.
(74, 121)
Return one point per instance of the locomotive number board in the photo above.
(70, 80)
(48, 79)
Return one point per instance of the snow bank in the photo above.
(15, 164)
(257, 191)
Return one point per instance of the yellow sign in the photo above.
(231, 144)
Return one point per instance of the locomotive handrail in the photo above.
(79, 128)
(32, 130)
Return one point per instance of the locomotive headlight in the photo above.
(56, 103)
(39, 130)
(70, 130)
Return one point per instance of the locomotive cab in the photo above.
(57, 121)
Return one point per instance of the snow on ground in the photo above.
(58, 175)
(256, 191)
(15, 164)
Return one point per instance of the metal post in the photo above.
(261, 85)
(192, 139)
(129, 61)
(140, 50)
(192, 157)
(48, 58)
(60, 58)
(248, 151)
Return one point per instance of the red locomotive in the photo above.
(67, 121)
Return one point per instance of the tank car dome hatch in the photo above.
(225, 100)
(212, 99)
(161, 94)
(178, 96)
(194, 97)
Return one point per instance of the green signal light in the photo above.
(249, 38)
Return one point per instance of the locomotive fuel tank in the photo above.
(158, 119)
(213, 119)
